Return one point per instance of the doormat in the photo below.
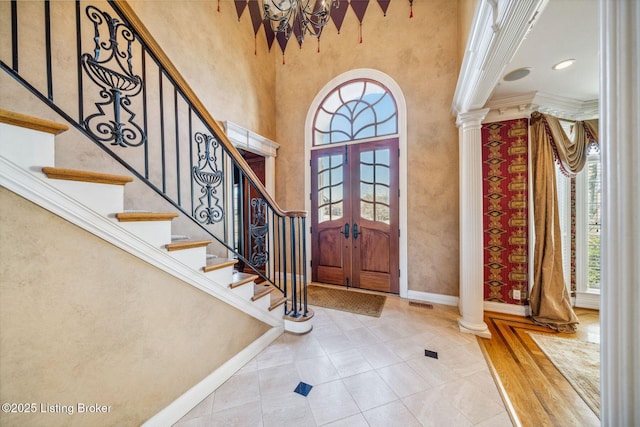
(578, 361)
(346, 300)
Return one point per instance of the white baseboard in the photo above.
(189, 400)
(434, 298)
(587, 300)
(499, 307)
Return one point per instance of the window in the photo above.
(358, 109)
(587, 220)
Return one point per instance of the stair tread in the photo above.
(30, 122)
(240, 279)
(186, 244)
(218, 263)
(145, 216)
(85, 176)
(260, 291)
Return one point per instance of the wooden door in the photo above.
(355, 218)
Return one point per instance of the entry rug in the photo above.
(346, 300)
(578, 361)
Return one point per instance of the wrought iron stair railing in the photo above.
(132, 102)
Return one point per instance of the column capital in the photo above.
(472, 118)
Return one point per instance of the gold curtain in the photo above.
(550, 301)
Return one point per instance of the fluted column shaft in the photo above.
(471, 254)
(620, 142)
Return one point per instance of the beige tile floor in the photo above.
(365, 371)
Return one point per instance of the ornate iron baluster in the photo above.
(258, 229)
(209, 177)
(110, 68)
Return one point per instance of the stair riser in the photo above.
(103, 198)
(193, 257)
(221, 275)
(245, 291)
(28, 148)
(156, 233)
(263, 303)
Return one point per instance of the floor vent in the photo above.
(420, 304)
(432, 354)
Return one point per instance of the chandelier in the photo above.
(297, 16)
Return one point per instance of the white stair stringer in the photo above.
(22, 180)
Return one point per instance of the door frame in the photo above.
(396, 92)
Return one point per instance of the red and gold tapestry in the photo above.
(504, 173)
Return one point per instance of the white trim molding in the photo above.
(496, 35)
(196, 394)
(588, 300)
(433, 298)
(516, 310)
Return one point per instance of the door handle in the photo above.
(346, 231)
(356, 233)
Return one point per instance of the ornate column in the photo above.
(620, 142)
(471, 256)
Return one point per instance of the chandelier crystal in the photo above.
(298, 17)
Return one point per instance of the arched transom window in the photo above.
(358, 109)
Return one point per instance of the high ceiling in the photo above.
(566, 29)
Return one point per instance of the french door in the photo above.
(355, 218)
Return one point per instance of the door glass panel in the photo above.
(374, 185)
(382, 194)
(382, 213)
(366, 192)
(330, 187)
(367, 210)
(382, 174)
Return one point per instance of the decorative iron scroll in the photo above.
(258, 229)
(209, 177)
(110, 68)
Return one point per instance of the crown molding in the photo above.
(248, 140)
(497, 31)
(519, 106)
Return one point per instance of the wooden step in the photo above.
(29, 122)
(85, 176)
(188, 244)
(260, 291)
(218, 263)
(276, 301)
(240, 279)
(145, 216)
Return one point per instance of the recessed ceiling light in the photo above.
(518, 74)
(563, 64)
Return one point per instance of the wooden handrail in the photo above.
(125, 9)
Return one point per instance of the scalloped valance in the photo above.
(571, 155)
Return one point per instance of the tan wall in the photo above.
(82, 321)
(420, 54)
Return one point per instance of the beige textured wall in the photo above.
(420, 54)
(215, 54)
(84, 322)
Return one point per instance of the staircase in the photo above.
(27, 165)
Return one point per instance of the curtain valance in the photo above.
(570, 155)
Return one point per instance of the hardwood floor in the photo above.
(534, 391)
